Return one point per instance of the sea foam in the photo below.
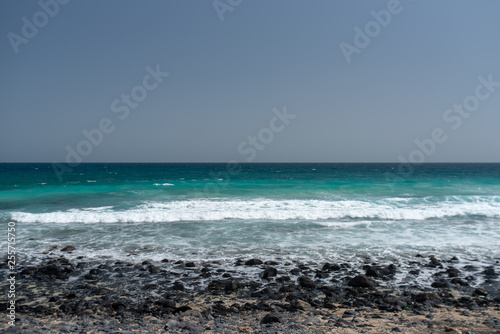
(273, 210)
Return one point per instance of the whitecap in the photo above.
(276, 210)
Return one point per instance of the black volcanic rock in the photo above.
(55, 270)
(362, 281)
(453, 272)
(270, 318)
(459, 281)
(178, 286)
(480, 292)
(379, 272)
(427, 296)
(330, 267)
(441, 284)
(269, 272)
(306, 282)
(489, 272)
(433, 263)
(253, 262)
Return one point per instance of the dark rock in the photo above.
(453, 272)
(68, 249)
(459, 281)
(66, 308)
(303, 267)
(70, 296)
(165, 305)
(306, 282)
(263, 306)
(490, 271)
(283, 279)
(181, 309)
(330, 267)
(320, 274)
(226, 275)
(390, 269)
(62, 260)
(271, 263)
(441, 284)
(295, 271)
(433, 262)
(56, 271)
(349, 313)
(269, 272)
(118, 306)
(94, 271)
(427, 296)
(253, 262)
(329, 305)
(164, 260)
(178, 286)
(470, 267)
(373, 272)
(361, 281)
(285, 289)
(153, 269)
(270, 318)
(480, 292)
(392, 300)
(230, 286)
(190, 265)
(216, 285)
(377, 271)
(298, 304)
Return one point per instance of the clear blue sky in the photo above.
(226, 76)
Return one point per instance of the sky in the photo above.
(251, 81)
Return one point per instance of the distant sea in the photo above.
(303, 212)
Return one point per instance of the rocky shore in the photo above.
(63, 294)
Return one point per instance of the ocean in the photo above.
(302, 212)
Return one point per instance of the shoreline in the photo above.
(250, 295)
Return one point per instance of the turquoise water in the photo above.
(308, 212)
